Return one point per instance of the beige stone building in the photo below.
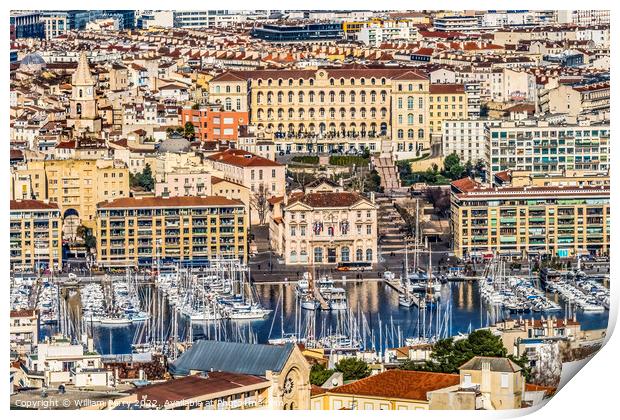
(134, 231)
(83, 115)
(326, 225)
(325, 110)
(390, 390)
(282, 370)
(75, 185)
(263, 177)
(35, 235)
(485, 383)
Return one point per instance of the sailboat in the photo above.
(285, 337)
(308, 301)
(405, 299)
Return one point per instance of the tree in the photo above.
(353, 369)
(452, 167)
(87, 236)
(147, 182)
(469, 168)
(448, 354)
(318, 374)
(143, 179)
(189, 130)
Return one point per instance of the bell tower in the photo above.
(83, 115)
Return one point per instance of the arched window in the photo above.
(238, 89)
(420, 133)
(228, 104)
(344, 254)
(303, 257)
(410, 102)
(80, 93)
(290, 97)
(330, 231)
(293, 256)
(358, 255)
(400, 134)
(410, 133)
(78, 109)
(227, 89)
(369, 254)
(217, 89)
(410, 119)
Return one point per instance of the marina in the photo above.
(373, 314)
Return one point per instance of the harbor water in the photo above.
(374, 302)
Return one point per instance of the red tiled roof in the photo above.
(327, 199)
(22, 313)
(549, 390)
(401, 384)
(438, 89)
(237, 157)
(149, 202)
(32, 205)
(465, 184)
(317, 390)
(192, 387)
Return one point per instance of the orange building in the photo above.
(211, 122)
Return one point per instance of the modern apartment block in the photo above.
(466, 138)
(316, 32)
(559, 220)
(542, 147)
(214, 122)
(138, 231)
(76, 185)
(35, 235)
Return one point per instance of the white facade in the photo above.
(466, 138)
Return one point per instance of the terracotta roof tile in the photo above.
(146, 202)
(32, 205)
(401, 384)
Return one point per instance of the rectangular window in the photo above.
(504, 380)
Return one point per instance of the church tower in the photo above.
(83, 115)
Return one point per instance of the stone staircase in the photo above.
(389, 223)
(390, 179)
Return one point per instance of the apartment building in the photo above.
(466, 138)
(213, 122)
(35, 235)
(560, 220)
(410, 116)
(75, 185)
(55, 24)
(263, 177)
(326, 225)
(543, 147)
(137, 230)
(574, 100)
(24, 331)
(446, 102)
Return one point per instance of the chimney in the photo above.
(485, 380)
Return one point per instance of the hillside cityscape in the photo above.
(306, 209)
